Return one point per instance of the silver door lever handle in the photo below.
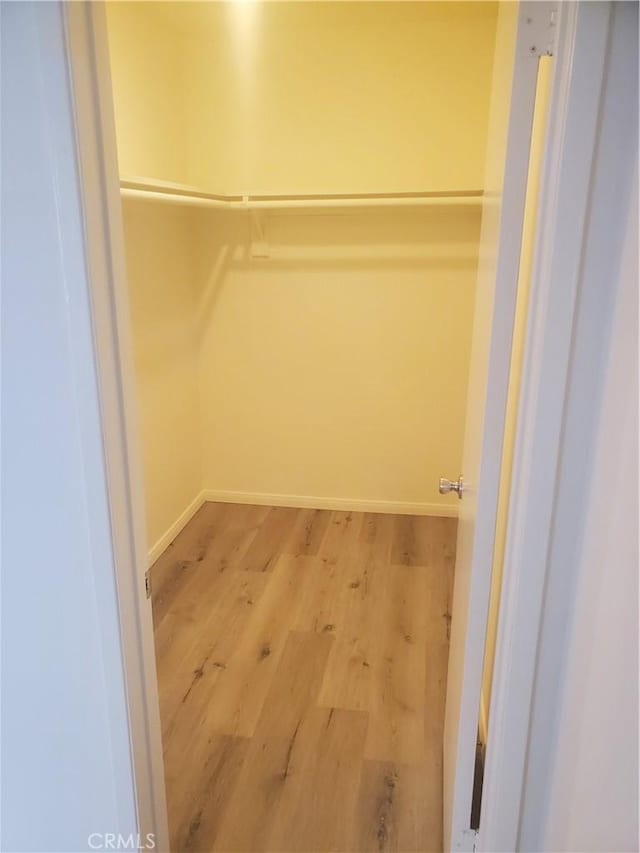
(445, 486)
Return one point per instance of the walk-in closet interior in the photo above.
(302, 188)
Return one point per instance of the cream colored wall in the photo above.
(543, 92)
(336, 370)
(162, 299)
(339, 97)
(250, 97)
(148, 69)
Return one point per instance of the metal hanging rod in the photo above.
(191, 196)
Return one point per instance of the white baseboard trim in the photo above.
(297, 501)
(169, 535)
(346, 504)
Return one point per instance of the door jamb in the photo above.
(563, 210)
(533, 37)
(92, 101)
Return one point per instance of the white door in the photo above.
(524, 33)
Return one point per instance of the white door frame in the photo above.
(527, 30)
(91, 93)
(564, 202)
(589, 146)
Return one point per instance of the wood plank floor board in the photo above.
(350, 674)
(171, 575)
(241, 690)
(227, 550)
(440, 590)
(377, 529)
(328, 599)
(308, 532)
(247, 818)
(321, 603)
(448, 531)
(296, 683)
(267, 769)
(414, 540)
(190, 665)
(323, 768)
(268, 543)
(210, 520)
(397, 809)
(341, 537)
(212, 527)
(198, 601)
(396, 720)
(198, 799)
(246, 515)
(182, 622)
(302, 660)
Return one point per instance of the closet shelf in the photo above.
(192, 196)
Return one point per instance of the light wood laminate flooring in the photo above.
(302, 661)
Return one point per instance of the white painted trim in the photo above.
(345, 504)
(563, 210)
(296, 501)
(179, 524)
(484, 433)
(67, 764)
(92, 99)
(602, 233)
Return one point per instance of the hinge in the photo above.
(465, 841)
(147, 583)
(540, 20)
